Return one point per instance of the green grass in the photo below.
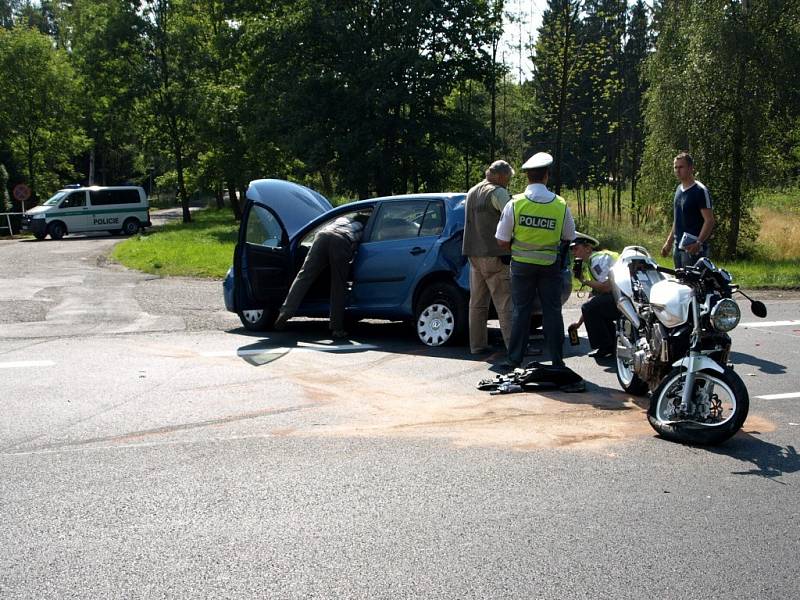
(202, 248)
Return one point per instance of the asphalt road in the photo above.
(150, 447)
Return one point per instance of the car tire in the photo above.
(40, 236)
(441, 315)
(258, 319)
(130, 226)
(57, 230)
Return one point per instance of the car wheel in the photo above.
(441, 316)
(257, 319)
(56, 230)
(130, 226)
(40, 236)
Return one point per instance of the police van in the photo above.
(118, 210)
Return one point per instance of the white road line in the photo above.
(780, 396)
(770, 323)
(26, 363)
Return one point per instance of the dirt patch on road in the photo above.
(362, 406)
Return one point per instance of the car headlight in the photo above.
(38, 216)
(725, 315)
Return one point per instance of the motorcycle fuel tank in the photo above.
(670, 301)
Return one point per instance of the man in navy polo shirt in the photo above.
(693, 219)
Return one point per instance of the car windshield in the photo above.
(56, 199)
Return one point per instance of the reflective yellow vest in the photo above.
(537, 230)
(611, 253)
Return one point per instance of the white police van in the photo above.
(119, 209)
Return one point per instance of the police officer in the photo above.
(536, 226)
(600, 312)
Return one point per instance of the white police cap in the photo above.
(584, 238)
(537, 161)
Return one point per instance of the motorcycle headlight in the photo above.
(725, 315)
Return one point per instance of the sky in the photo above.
(530, 13)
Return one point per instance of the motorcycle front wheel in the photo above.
(720, 407)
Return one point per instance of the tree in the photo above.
(38, 106)
(172, 67)
(725, 53)
(555, 60)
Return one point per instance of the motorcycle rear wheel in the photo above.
(731, 390)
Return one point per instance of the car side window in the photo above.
(308, 238)
(398, 221)
(433, 221)
(74, 200)
(263, 229)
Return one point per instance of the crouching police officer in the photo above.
(535, 226)
(600, 313)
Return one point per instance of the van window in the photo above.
(73, 200)
(108, 197)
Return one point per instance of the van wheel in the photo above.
(130, 226)
(441, 316)
(40, 236)
(56, 230)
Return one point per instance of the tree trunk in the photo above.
(237, 211)
(219, 197)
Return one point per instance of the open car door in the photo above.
(262, 261)
(261, 266)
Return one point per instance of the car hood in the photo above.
(294, 204)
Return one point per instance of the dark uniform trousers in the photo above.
(526, 282)
(599, 315)
(329, 248)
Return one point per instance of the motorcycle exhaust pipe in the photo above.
(627, 309)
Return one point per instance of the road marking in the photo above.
(283, 350)
(770, 323)
(26, 363)
(780, 396)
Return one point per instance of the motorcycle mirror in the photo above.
(758, 308)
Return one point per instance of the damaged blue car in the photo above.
(408, 265)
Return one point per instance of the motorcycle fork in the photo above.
(694, 353)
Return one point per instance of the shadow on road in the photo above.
(387, 336)
(767, 460)
(765, 366)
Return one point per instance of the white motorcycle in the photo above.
(672, 341)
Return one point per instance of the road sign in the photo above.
(21, 192)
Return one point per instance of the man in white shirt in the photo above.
(535, 227)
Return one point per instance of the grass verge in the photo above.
(202, 248)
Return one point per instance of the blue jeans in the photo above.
(682, 258)
(528, 281)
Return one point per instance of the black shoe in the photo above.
(603, 353)
(509, 364)
(280, 322)
(484, 350)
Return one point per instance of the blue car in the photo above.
(408, 266)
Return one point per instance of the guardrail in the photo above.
(8, 222)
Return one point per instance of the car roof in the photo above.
(454, 203)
